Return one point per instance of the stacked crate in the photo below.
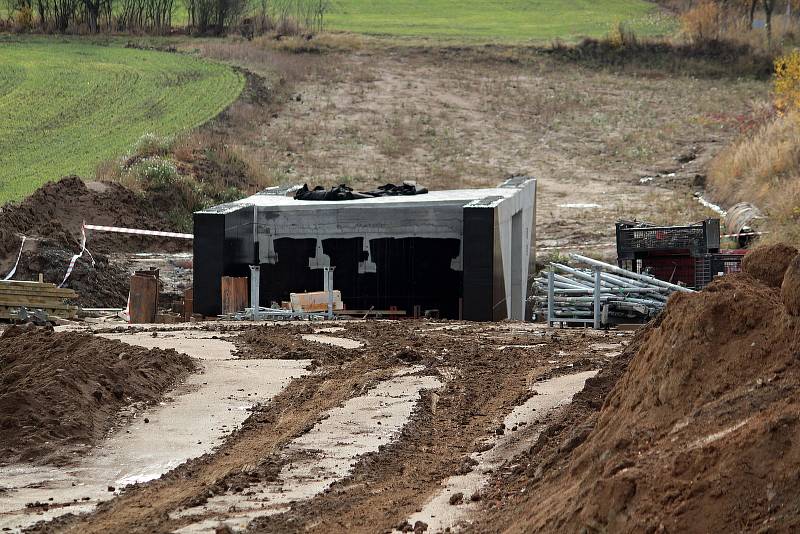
(687, 255)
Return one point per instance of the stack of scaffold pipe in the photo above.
(601, 295)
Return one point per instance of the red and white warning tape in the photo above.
(16, 264)
(84, 250)
(744, 234)
(121, 230)
(76, 256)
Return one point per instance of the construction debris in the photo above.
(343, 192)
(602, 295)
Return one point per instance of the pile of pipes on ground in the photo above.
(601, 295)
(275, 314)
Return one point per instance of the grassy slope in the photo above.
(66, 106)
(508, 20)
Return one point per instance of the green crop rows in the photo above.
(66, 106)
(496, 20)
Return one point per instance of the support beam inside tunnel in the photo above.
(464, 253)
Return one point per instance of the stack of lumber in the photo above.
(316, 301)
(50, 299)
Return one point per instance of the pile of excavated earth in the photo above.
(62, 392)
(51, 220)
(694, 429)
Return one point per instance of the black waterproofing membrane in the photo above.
(343, 192)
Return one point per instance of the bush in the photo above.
(23, 21)
(621, 36)
(156, 173)
(787, 82)
(150, 145)
(703, 22)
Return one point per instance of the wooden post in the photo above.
(234, 294)
(188, 304)
(144, 299)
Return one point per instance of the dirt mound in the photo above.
(768, 263)
(51, 218)
(698, 434)
(61, 391)
(56, 211)
(790, 288)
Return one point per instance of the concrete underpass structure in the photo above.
(465, 253)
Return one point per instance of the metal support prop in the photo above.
(597, 290)
(328, 287)
(550, 296)
(255, 291)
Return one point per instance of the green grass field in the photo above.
(66, 106)
(493, 20)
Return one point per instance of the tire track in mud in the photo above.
(146, 507)
(486, 371)
(485, 379)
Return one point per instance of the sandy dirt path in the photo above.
(366, 439)
(193, 420)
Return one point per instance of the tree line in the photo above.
(709, 19)
(205, 17)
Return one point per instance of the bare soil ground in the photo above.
(696, 435)
(485, 372)
(62, 391)
(691, 426)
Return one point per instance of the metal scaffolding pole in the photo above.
(628, 274)
(328, 287)
(597, 288)
(255, 291)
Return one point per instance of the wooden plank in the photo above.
(315, 301)
(56, 293)
(235, 294)
(144, 299)
(31, 298)
(32, 286)
(188, 304)
(36, 287)
(25, 283)
(19, 303)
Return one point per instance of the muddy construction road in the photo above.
(690, 425)
(379, 426)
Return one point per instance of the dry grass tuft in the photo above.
(764, 169)
(756, 168)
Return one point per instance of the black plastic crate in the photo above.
(676, 268)
(635, 240)
(709, 266)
